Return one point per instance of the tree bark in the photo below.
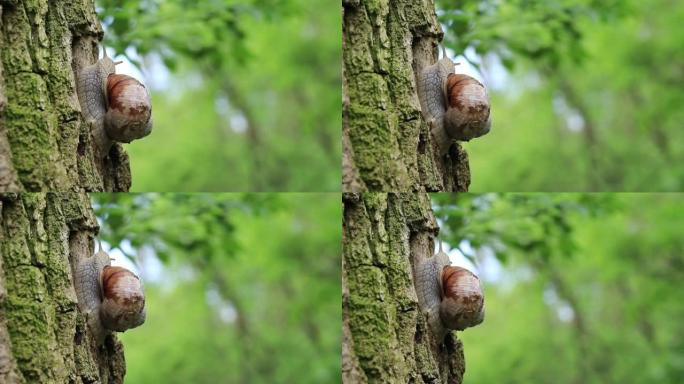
(387, 145)
(43, 336)
(385, 335)
(45, 145)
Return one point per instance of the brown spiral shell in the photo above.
(462, 303)
(129, 110)
(468, 107)
(123, 304)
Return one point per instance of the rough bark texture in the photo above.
(43, 337)
(387, 145)
(385, 337)
(44, 143)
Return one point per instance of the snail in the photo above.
(116, 107)
(112, 298)
(451, 297)
(455, 106)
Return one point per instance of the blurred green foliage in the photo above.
(252, 102)
(248, 291)
(589, 290)
(537, 224)
(586, 94)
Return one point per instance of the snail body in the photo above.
(428, 289)
(111, 298)
(116, 107)
(451, 297)
(455, 106)
(432, 96)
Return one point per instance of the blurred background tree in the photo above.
(246, 93)
(586, 94)
(579, 288)
(239, 288)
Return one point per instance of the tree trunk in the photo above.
(45, 145)
(387, 144)
(43, 336)
(385, 335)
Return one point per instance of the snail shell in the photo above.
(123, 304)
(462, 303)
(129, 110)
(468, 115)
